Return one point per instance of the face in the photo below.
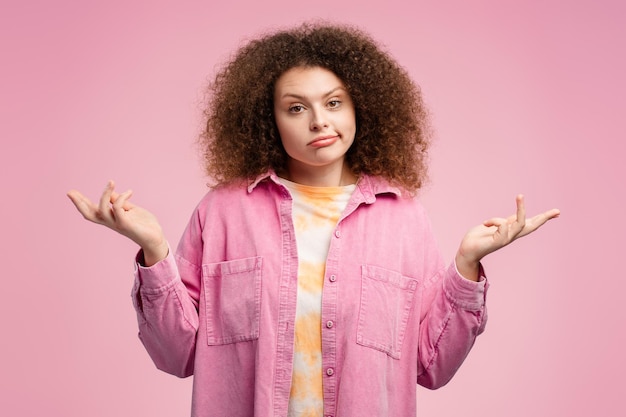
(316, 122)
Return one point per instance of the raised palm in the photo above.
(116, 212)
(498, 232)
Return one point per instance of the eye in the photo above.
(296, 108)
(333, 104)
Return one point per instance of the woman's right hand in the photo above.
(116, 212)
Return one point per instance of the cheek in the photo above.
(281, 126)
(286, 133)
(349, 124)
(292, 127)
(284, 130)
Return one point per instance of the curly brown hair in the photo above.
(241, 140)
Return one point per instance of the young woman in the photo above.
(308, 282)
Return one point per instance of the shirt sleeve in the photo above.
(455, 315)
(165, 297)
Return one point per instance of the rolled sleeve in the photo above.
(158, 277)
(465, 294)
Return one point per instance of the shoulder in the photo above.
(239, 197)
(376, 188)
(378, 185)
(384, 206)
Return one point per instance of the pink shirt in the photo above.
(223, 307)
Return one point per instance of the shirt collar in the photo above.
(369, 186)
(268, 174)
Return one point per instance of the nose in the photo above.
(318, 121)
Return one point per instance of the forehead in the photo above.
(307, 81)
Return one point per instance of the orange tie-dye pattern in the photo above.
(315, 214)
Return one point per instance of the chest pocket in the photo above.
(232, 297)
(386, 301)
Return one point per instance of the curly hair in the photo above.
(241, 140)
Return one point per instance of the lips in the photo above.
(323, 141)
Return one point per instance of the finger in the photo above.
(495, 221)
(542, 218)
(121, 202)
(498, 230)
(552, 214)
(104, 206)
(127, 204)
(77, 197)
(84, 206)
(539, 220)
(521, 212)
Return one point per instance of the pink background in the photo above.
(525, 97)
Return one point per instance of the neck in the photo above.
(331, 176)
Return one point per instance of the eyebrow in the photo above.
(299, 97)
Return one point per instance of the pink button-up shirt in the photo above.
(223, 307)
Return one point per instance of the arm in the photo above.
(454, 311)
(116, 212)
(494, 234)
(166, 313)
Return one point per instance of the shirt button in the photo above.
(329, 324)
(330, 371)
(337, 233)
(332, 278)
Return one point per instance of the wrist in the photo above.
(154, 254)
(468, 268)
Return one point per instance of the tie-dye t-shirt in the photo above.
(316, 211)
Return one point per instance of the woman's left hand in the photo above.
(494, 234)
